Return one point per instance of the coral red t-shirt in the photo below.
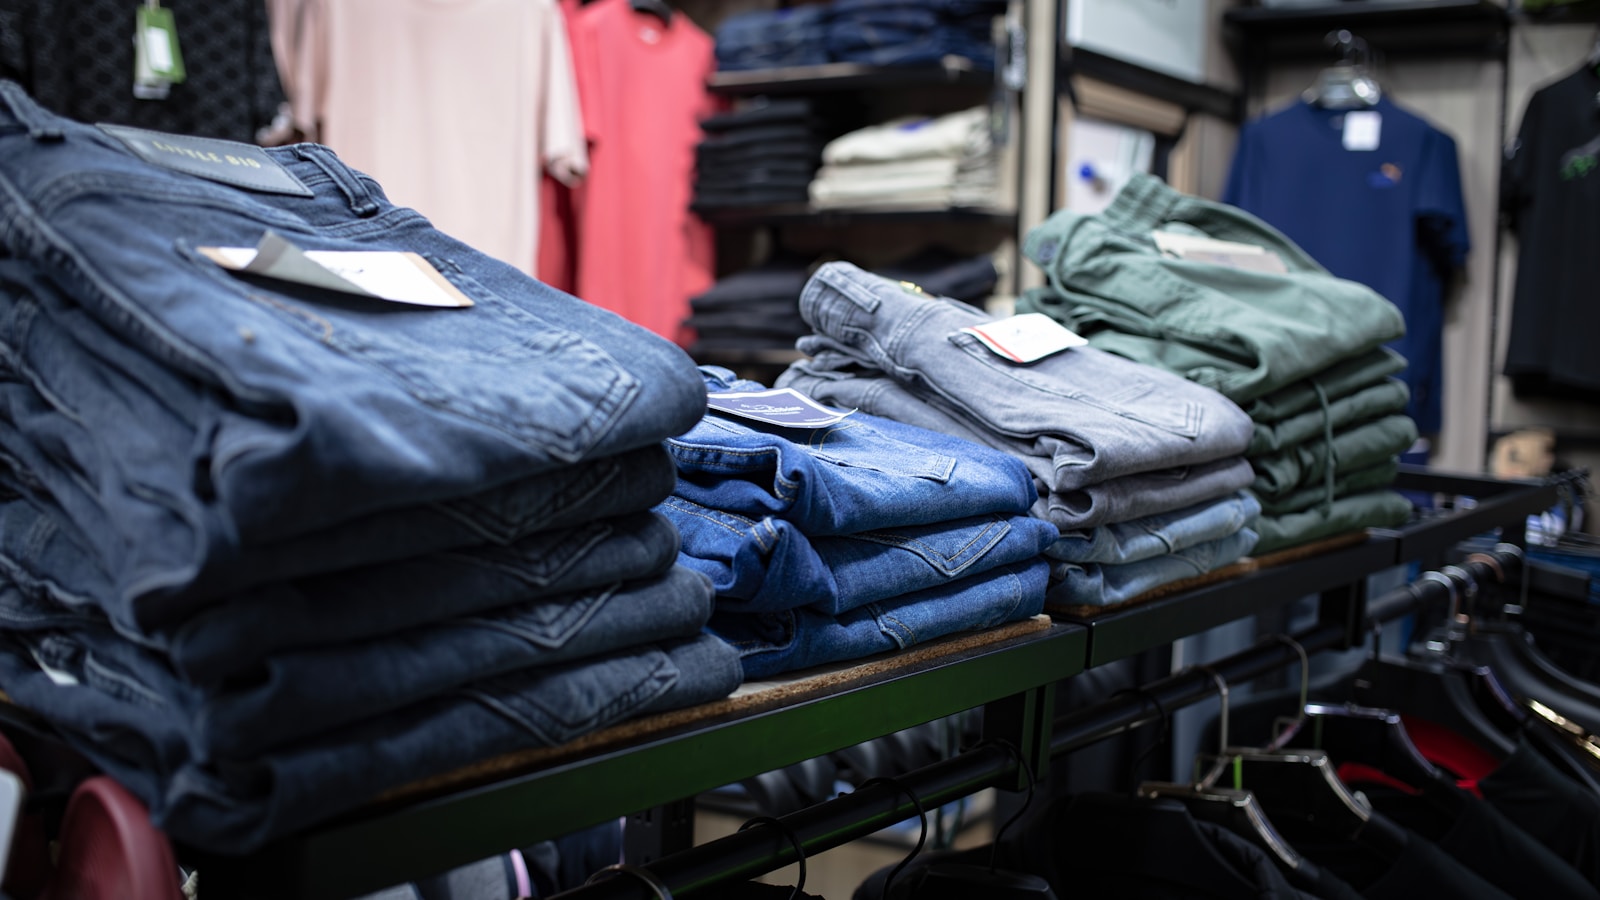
(642, 87)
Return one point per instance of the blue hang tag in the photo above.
(777, 406)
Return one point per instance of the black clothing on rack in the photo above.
(76, 58)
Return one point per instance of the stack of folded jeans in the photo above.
(1140, 469)
(913, 161)
(755, 309)
(912, 32)
(850, 539)
(1301, 351)
(769, 39)
(763, 154)
(268, 549)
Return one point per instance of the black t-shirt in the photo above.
(1550, 189)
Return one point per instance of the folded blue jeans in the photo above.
(1095, 416)
(1095, 584)
(377, 406)
(236, 807)
(40, 555)
(1140, 539)
(772, 38)
(298, 694)
(861, 474)
(776, 642)
(109, 434)
(766, 565)
(830, 377)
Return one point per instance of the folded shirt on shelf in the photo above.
(912, 161)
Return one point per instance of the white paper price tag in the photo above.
(390, 275)
(776, 406)
(1026, 338)
(1362, 129)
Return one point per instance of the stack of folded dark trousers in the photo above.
(912, 32)
(770, 39)
(759, 308)
(761, 155)
(869, 32)
(865, 536)
(1140, 470)
(1301, 351)
(268, 550)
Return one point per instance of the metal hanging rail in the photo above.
(759, 850)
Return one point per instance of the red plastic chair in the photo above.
(109, 849)
(28, 867)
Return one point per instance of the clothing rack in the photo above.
(764, 848)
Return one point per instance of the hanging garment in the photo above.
(1388, 214)
(455, 107)
(1551, 193)
(76, 58)
(640, 252)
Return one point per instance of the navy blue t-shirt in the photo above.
(1391, 218)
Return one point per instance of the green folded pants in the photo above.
(1373, 509)
(1357, 447)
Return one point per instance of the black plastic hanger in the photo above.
(1431, 690)
(1347, 84)
(959, 881)
(1236, 810)
(794, 840)
(1378, 739)
(1302, 785)
(658, 8)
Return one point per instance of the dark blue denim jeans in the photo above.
(298, 694)
(108, 435)
(236, 806)
(861, 474)
(765, 565)
(1094, 584)
(1092, 415)
(44, 558)
(773, 38)
(834, 378)
(770, 643)
(376, 406)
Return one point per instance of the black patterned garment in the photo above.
(76, 58)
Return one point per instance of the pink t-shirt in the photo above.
(642, 83)
(454, 106)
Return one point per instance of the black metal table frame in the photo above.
(1014, 680)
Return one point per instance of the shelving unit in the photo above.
(805, 214)
(1011, 673)
(1412, 27)
(841, 77)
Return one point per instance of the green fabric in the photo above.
(1377, 400)
(1271, 330)
(1341, 380)
(1373, 509)
(1358, 447)
(1344, 484)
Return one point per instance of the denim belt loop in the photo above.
(40, 126)
(361, 201)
